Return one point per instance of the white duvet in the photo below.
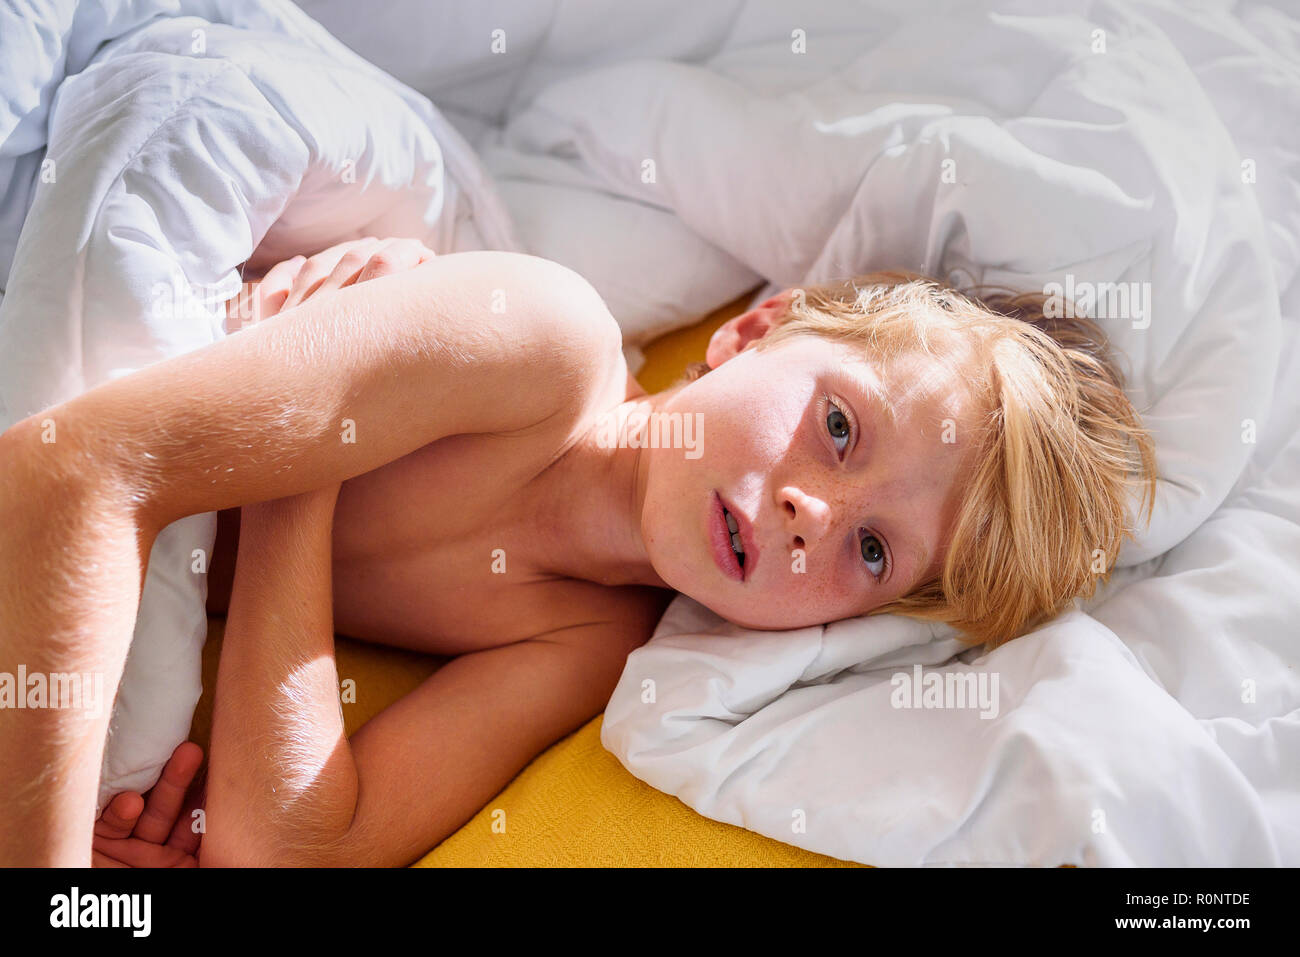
(678, 154)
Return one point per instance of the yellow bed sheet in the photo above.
(574, 805)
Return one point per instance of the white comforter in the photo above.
(679, 153)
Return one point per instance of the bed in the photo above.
(678, 157)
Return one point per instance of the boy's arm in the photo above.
(281, 777)
(431, 760)
(342, 384)
(72, 565)
(286, 787)
(333, 388)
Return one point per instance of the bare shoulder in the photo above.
(540, 299)
(583, 329)
(577, 360)
(582, 310)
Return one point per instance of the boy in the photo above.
(422, 460)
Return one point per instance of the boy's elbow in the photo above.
(61, 459)
(230, 847)
(233, 840)
(216, 852)
(289, 837)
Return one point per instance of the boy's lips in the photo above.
(720, 540)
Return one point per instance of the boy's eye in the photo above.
(873, 553)
(840, 426)
(837, 423)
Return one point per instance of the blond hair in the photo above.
(1046, 511)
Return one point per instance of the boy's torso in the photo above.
(440, 551)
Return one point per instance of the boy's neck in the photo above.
(589, 516)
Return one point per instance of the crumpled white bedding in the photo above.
(1140, 143)
(676, 155)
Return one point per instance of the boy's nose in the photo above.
(807, 516)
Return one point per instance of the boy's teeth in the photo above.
(736, 545)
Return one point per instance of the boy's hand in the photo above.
(355, 261)
(288, 283)
(158, 832)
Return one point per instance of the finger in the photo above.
(119, 816)
(281, 275)
(184, 837)
(273, 290)
(319, 267)
(399, 255)
(239, 308)
(349, 266)
(334, 253)
(133, 852)
(271, 303)
(103, 860)
(263, 299)
(168, 795)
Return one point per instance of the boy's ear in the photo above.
(738, 333)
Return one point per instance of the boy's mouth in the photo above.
(729, 533)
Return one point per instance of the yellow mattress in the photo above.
(574, 805)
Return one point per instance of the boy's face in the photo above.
(840, 509)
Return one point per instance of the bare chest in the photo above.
(441, 551)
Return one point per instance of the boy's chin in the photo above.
(739, 612)
(746, 618)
